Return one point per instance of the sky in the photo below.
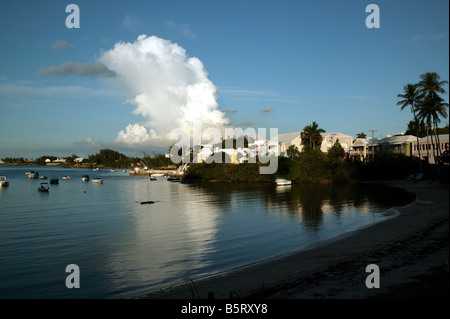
(133, 71)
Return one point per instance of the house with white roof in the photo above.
(395, 145)
(286, 140)
(329, 139)
(360, 149)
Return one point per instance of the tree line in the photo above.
(105, 157)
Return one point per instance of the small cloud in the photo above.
(61, 45)
(227, 110)
(106, 40)
(266, 110)
(245, 123)
(438, 36)
(39, 43)
(135, 134)
(130, 22)
(247, 93)
(89, 142)
(83, 69)
(183, 29)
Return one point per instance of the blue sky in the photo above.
(276, 64)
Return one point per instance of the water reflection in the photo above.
(125, 249)
(309, 203)
(170, 239)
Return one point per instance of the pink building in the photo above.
(425, 150)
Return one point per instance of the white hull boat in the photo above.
(43, 187)
(3, 181)
(33, 175)
(282, 182)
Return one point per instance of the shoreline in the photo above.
(404, 247)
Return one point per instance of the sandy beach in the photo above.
(412, 244)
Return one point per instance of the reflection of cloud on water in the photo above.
(171, 237)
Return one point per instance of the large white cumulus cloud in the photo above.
(167, 88)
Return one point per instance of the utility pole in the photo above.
(373, 146)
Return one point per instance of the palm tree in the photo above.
(430, 84)
(433, 105)
(293, 151)
(312, 135)
(361, 135)
(429, 111)
(411, 97)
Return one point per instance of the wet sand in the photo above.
(413, 243)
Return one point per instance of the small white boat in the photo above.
(85, 178)
(97, 180)
(43, 187)
(3, 181)
(33, 174)
(96, 169)
(282, 182)
(43, 177)
(67, 177)
(112, 170)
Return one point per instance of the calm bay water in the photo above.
(125, 249)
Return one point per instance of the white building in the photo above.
(236, 156)
(286, 140)
(396, 145)
(328, 140)
(360, 149)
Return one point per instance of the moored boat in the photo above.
(85, 178)
(54, 181)
(33, 174)
(282, 182)
(67, 177)
(97, 180)
(43, 187)
(3, 181)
